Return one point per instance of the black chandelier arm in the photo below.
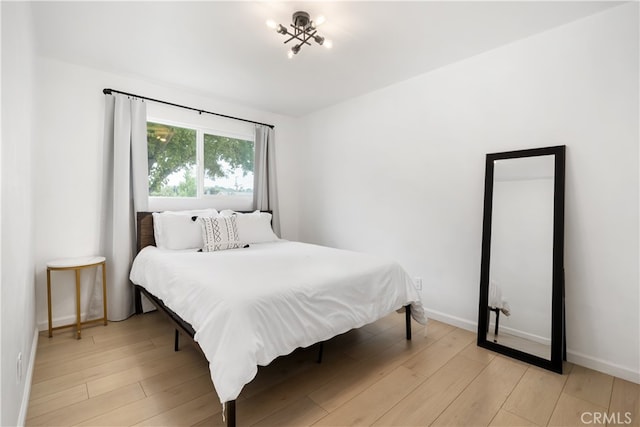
(309, 35)
(293, 36)
(303, 41)
(297, 37)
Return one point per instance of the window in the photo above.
(171, 151)
(199, 163)
(228, 165)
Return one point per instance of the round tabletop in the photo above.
(84, 261)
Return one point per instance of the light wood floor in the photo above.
(128, 374)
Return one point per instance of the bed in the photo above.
(246, 306)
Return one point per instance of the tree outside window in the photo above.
(227, 163)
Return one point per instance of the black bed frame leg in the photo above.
(176, 341)
(230, 413)
(320, 351)
(407, 312)
(137, 300)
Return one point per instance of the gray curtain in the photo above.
(265, 192)
(126, 191)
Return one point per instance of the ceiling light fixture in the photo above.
(304, 29)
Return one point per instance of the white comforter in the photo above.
(249, 306)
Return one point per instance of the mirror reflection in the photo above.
(521, 264)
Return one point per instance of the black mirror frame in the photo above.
(558, 346)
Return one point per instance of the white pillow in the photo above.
(176, 230)
(253, 227)
(219, 233)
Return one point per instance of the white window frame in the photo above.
(237, 202)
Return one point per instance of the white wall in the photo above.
(68, 181)
(400, 171)
(17, 313)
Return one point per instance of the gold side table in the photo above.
(77, 264)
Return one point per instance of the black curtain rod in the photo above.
(111, 91)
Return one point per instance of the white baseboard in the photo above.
(575, 357)
(603, 366)
(43, 325)
(59, 321)
(452, 320)
(24, 406)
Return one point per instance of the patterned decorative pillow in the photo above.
(220, 233)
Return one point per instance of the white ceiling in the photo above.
(224, 49)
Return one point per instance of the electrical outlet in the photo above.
(19, 368)
(418, 283)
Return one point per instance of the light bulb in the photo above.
(272, 24)
(319, 21)
(327, 43)
(290, 54)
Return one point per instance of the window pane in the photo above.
(228, 166)
(172, 160)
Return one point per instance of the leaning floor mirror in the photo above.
(521, 310)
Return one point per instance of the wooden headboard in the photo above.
(144, 234)
(144, 229)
